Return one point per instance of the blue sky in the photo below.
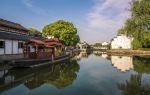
(96, 20)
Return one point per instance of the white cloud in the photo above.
(28, 3)
(105, 18)
(36, 9)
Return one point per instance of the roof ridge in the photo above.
(9, 21)
(11, 24)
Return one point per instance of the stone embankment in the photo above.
(128, 52)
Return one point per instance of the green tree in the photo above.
(138, 26)
(97, 44)
(35, 32)
(64, 30)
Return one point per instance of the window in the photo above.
(2, 44)
(20, 44)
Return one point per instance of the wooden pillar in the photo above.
(54, 51)
(53, 54)
(36, 48)
(36, 51)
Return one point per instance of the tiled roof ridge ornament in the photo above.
(50, 37)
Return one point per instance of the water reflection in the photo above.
(135, 86)
(142, 64)
(98, 53)
(109, 75)
(82, 54)
(122, 63)
(138, 83)
(101, 54)
(59, 75)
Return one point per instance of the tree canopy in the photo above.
(35, 32)
(97, 45)
(64, 30)
(138, 26)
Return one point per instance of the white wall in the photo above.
(32, 49)
(11, 47)
(1, 51)
(121, 42)
(105, 44)
(20, 49)
(15, 47)
(8, 46)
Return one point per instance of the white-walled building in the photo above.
(105, 43)
(121, 42)
(83, 46)
(12, 39)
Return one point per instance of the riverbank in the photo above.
(128, 52)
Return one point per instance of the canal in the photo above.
(85, 74)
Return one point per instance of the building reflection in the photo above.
(59, 75)
(81, 55)
(99, 53)
(138, 83)
(105, 56)
(102, 54)
(140, 64)
(122, 63)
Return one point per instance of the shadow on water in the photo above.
(59, 75)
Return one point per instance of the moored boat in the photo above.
(38, 52)
(37, 62)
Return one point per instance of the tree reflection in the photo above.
(142, 64)
(134, 86)
(97, 53)
(59, 75)
(63, 75)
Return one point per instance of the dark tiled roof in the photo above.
(43, 43)
(12, 25)
(17, 36)
(21, 34)
(12, 36)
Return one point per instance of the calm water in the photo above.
(94, 74)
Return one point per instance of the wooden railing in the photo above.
(39, 55)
